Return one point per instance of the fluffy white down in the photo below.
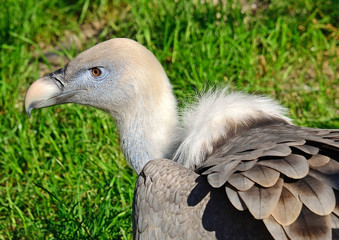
(213, 116)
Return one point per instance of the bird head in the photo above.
(112, 76)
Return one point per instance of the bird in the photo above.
(231, 165)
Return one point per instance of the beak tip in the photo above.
(28, 107)
(29, 113)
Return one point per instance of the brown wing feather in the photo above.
(240, 182)
(293, 166)
(275, 228)
(332, 167)
(264, 176)
(318, 160)
(188, 208)
(317, 196)
(310, 226)
(235, 199)
(308, 149)
(280, 150)
(288, 208)
(334, 221)
(262, 201)
(303, 203)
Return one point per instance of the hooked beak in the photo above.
(47, 91)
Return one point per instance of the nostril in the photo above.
(58, 82)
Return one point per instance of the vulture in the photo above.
(233, 166)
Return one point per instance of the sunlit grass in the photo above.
(62, 174)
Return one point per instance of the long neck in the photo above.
(136, 143)
(148, 130)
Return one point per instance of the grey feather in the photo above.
(246, 165)
(317, 196)
(235, 199)
(318, 160)
(332, 167)
(295, 143)
(334, 221)
(279, 150)
(293, 166)
(329, 179)
(206, 209)
(240, 182)
(275, 228)
(262, 175)
(308, 149)
(218, 175)
(288, 208)
(262, 201)
(310, 226)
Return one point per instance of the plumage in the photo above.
(330, 168)
(308, 149)
(309, 226)
(240, 182)
(318, 160)
(329, 179)
(288, 208)
(236, 167)
(262, 201)
(280, 150)
(218, 175)
(317, 196)
(276, 229)
(264, 176)
(235, 199)
(293, 166)
(246, 165)
(334, 221)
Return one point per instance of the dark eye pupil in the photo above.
(96, 72)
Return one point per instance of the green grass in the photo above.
(62, 174)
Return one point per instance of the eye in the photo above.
(96, 72)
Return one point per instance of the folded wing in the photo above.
(285, 175)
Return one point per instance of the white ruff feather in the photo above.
(214, 116)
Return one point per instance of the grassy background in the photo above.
(62, 175)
